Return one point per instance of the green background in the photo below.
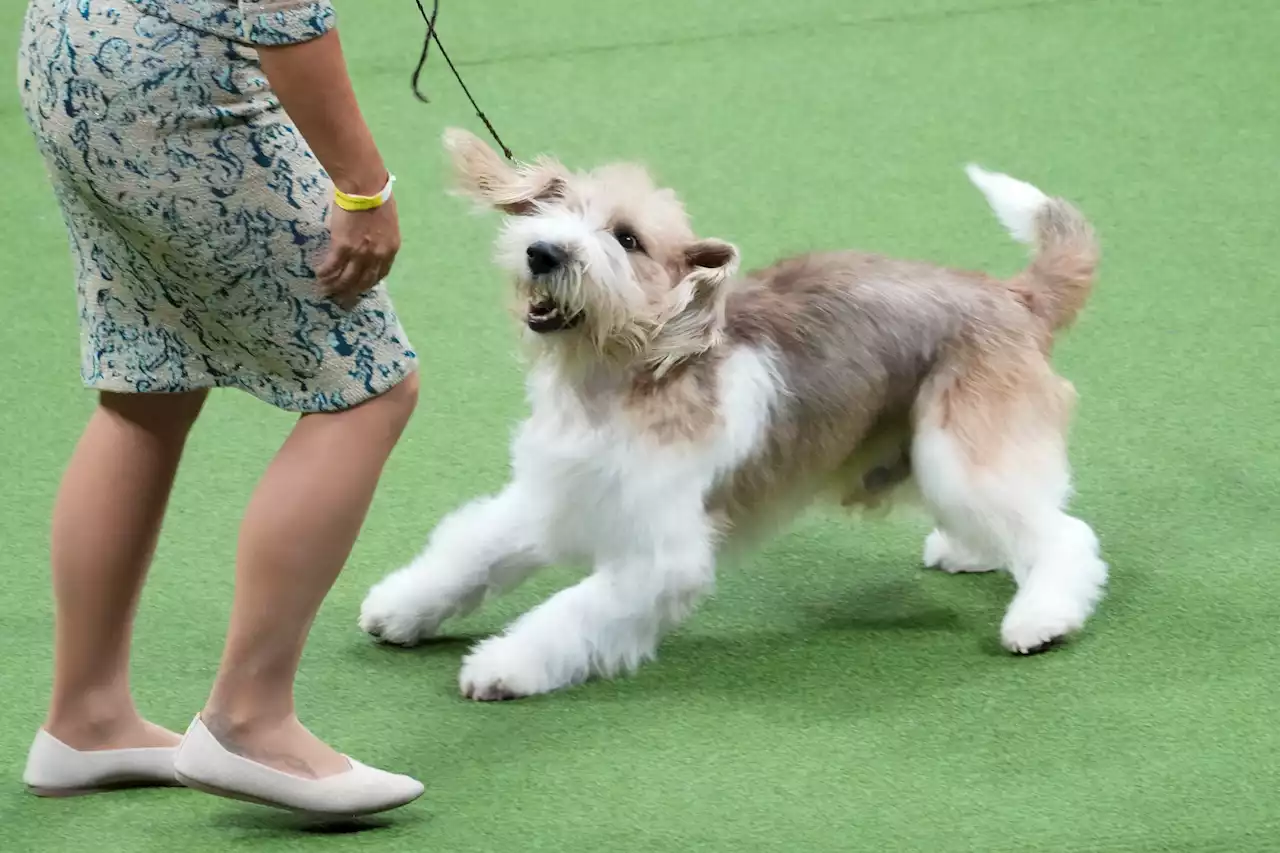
(833, 696)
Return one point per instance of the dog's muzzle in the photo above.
(545, 314)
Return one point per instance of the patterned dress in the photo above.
(196, 211)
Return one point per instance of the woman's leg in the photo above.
(298, 530)
(105, 524)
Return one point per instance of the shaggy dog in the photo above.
(681, 410)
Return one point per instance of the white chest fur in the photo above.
(608, 484)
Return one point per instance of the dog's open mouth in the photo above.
(546, 316)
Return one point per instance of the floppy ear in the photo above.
(484, 176)
(711, 263)
(714, 258)
(695, 317)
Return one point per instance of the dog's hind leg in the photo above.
(608, 624)
(481, 549)
(990, 457)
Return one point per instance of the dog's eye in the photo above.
(628, 240)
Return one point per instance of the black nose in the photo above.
(544, 258)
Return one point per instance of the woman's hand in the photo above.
(362, 247)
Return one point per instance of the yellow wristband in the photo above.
(350, 202)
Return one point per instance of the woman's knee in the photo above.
(400, 401)
(385, 415)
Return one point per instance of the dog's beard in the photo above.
(567, 309)
(553, 303)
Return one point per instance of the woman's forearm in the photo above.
(310, 79)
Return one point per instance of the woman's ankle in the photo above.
(239, 707)
(94, 725)
(276, 739)
(230, 723)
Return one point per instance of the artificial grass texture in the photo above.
(833, 696)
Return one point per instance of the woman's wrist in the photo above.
(362, 182)
(353, 202)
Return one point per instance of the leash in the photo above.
(431, 36)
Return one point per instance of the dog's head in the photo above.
(603, 259)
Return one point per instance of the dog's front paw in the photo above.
(399, 609)
(943, 552)
(502, 668)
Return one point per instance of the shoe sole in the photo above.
(197, 785)
(64, 793)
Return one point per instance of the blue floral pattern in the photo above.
(258, 22)
(196, 211)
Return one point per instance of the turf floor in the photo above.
(833, 696)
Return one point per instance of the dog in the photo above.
(681, 411)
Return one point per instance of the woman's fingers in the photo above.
(328, 271)
(352, 275)
(366, 281)
(361, 274)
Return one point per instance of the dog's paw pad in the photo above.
(495, 692)
(1046, 646)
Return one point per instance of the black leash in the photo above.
(431, 36)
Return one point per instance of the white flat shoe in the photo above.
(57, 770)
(206, 765)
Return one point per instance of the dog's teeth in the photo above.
(547, 314)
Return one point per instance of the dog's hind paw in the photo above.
(945, 553)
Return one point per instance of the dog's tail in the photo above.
(1060, 278)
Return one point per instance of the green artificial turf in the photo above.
(833, 696)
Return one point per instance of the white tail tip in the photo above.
(1016, 203)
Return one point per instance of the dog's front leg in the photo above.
(484, 548)
(608, 624)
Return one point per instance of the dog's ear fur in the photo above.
(711, 263)
(696, 317)
(712, 257)
(484, 176)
